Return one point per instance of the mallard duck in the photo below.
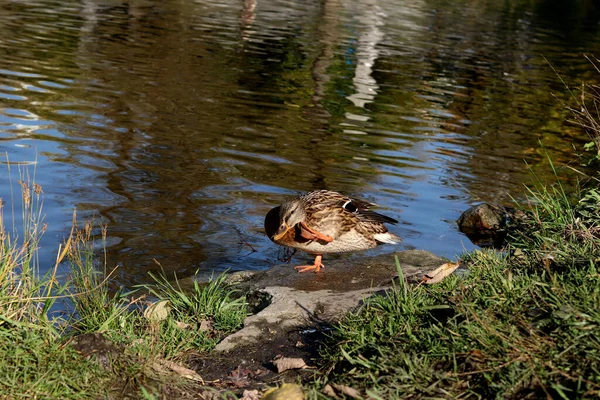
(323, 222)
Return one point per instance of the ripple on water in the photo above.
(14, 97)
(20, 74)
(22, 122)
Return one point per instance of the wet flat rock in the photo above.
(311, 299)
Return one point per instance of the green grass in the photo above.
(36, 365)
(496, 333)
(585, 112)
(522, 323)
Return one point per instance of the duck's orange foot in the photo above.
(318, 265)
(308, 268)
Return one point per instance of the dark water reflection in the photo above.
(182, 123)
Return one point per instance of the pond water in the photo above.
(181, 123)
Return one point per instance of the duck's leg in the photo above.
(311, 234)
(316, 267)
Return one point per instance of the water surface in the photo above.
(181, 124)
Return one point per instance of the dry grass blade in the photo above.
(62, 252)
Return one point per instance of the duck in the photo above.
(324, 221)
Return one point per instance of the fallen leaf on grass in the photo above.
(288, 391)
(206, 325)
(182, 325)
(440, 273)
(158, 311)
(347, 390)
(548, 260)
(162, 365)
(285, 363)
(136, 342)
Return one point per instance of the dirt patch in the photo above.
(251, 366)
(96, 347)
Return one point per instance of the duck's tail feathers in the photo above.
(387, 238)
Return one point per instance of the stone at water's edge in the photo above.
(485, 224)
(302, 300)
(483, 217)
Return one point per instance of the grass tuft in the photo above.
(212, 301)
(198, 318)
(95, 307)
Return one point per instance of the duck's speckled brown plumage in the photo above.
(348, 223)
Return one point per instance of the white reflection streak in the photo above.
(247, 18)
(372, 18)
(88, 12)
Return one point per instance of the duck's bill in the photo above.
(281, 232)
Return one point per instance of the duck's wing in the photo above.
(327, 204)
(362, 210)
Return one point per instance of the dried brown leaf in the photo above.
(158, 311)
(347, 390)
(548, 260)
(440, 273)
(240, 377)
(182, 325)
(206, 325)
(286, 363)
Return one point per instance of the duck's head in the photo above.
(283, 218)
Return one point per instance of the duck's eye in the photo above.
(350, 207)
(282, 227)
